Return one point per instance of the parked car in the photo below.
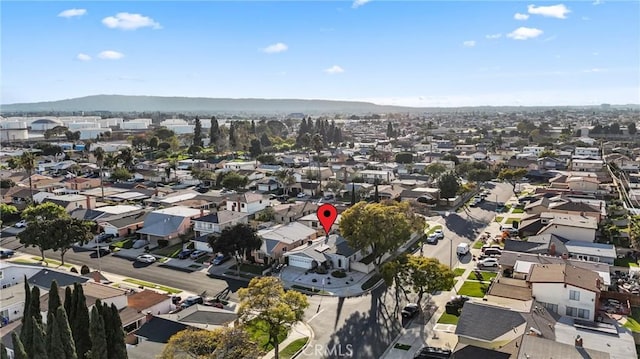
(193, 300)
(432, 239)
(220, 258)
(439, 233)
(458, 300)
(103, 251)
(145, 258)
(500, 207)
(301, 195)
(488, 262)
(410, 310)
(21, 224)
(104, 237)
(490, 246)
(462, 249)
(6, 253)
(433, 353)
(197, 254)
(185, 253)
(139, 244)
(492, 252)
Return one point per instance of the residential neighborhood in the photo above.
(183, 215)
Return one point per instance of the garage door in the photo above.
(300, 262)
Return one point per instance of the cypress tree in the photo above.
(55, 348)
(69, 304)
(117, 346)
(34, 311)
(51, 324)
(54, 298)
(27, 301)
(105, 314)
(65, 334)
(18, 348)
(98, 337)
(214, 132)
(80, 323)
(38, 347)
(26, 331)
(3, 352)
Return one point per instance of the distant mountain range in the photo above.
(122, 103)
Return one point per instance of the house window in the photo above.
(284, 249)
(314, 224)
(574, 295)
(243, 205)
(550, 307)
(579, 313)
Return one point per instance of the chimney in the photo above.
(88, 200)
(578, 341)
(552, 249)
(149, 316)
(96, 277)
(201, 212)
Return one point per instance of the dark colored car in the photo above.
(410, 310)
(103, 251)
(185, 253)
(458, 300)
(220, 258)
(104, 237)
(196, 299)
(6, 253)
(433, 353)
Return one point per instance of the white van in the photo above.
(462, 249)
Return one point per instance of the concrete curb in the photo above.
(311, 336)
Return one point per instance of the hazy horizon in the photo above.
(410, 54)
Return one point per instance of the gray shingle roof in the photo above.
(486, 322)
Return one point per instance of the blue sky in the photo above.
(415, 53)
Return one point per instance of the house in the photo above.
(72, 201)
(81, 183)
(123, 226)
(587, 152)
(280, 239)
(566, 289)
(577, 208)
(268, 184)
(215, 223)
(534, 150)
(248, 202)
(389, 192)
(572, 227)
(166, 225)
(333, 252)
(44, 277)
(12, 295)
(579, 165)
(583, 183)
(371, 176)
(516, 163)
(141, 303)
(291, 212)
(550, 163)
(552, 245)
(239, 165)
(311, 221)
(203, 317)
(92, 291)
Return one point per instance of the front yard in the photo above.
(446, 318)
(474, 289)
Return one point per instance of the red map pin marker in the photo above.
(327, 214)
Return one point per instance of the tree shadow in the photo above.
(464, 227)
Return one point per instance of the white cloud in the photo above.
(598, 2)
(127, 21)
(558, 11)
(110, 55)
(524, 33)
(83, 57)
(358, 3)
(276, 48)
(72, 13)
(519, 16)
(493, 36)
(335, 69)
(595, 69)
(469, 43)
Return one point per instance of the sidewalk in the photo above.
(185, 265)
(298, 331)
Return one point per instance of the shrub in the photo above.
(74, 270)
(84, 269)
(338, 274)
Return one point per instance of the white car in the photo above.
(439, 233)
(488, 262)
(146, 258)
(21, 224)
(301, 195)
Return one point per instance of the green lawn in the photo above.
(153, 285)
(511, 220)
(249, 268)
(448, 319)
(517, 210)
(486, 276)
(257, 330)
(478, 245)
(402, 346)
(458, 271)
(633, 320)
(499, 219)
(473, 289)
(625, 262)
(293, 348)
(169, 251)
(125, 243)
(51, 262)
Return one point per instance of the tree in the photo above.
(7, 210)
(100, 156)
(238, 240)
(256, 148)
(121, 174)
(631, 128)
(547, 153)
(233, 180)
(223, 343)
(18, 349)
(480, 175)
(3, 352)
(512, 177)
(115, 336)
(266, 302)
(66, 232)
(127, 157)
(264, 140)
(449, 185)
(38, 349)
(318, 144)
(378, 228)
(390, 131)
(154, 142)
(98, 337)
(36, 234)
(232, 136)
(28, 163)
(197, 133)
(66, 337)
(404, 157)
(421, 274)
(69, 304)
(54, 298)
(286, 179)
(214, 132)
(434, 170)
(80, 324)
(54, 346)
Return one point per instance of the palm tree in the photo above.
(318, 144)
(286, 178)
(100, 157)
(28, 163)
(126, 157)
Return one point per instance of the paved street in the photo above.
(360, 327)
